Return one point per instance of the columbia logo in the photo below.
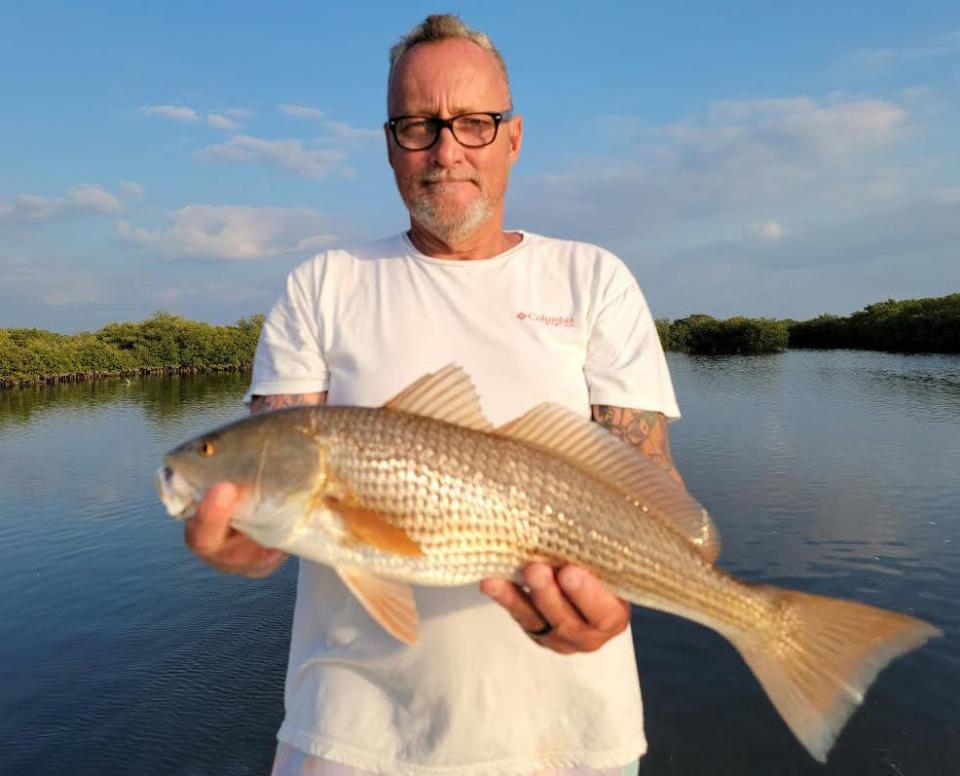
(548, 320)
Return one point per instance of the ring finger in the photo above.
(512, 598)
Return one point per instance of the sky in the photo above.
(744, 158)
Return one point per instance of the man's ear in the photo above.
(388, 137)
(515, 128)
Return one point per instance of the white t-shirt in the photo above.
(548, 320)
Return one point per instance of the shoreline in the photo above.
(86, 377)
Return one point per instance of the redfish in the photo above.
(425, 491)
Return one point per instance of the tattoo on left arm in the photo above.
(645, 430)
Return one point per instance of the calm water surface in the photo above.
(832, 472)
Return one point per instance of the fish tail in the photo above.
(819, 655)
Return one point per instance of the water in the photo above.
(833, 472)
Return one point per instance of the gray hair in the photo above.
(444, 26)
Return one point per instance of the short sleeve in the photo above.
(625, 365)
(289, 356)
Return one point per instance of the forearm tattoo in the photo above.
(647, 431)
(278, 401)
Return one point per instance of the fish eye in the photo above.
(206, 449)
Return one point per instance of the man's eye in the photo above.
(416, 125)
(475, 123)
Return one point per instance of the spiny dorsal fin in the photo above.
(447, 395)
(389, 602)
(593, 448)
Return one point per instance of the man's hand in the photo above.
(209, 535)
(582, 614)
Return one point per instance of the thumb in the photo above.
(209, 528)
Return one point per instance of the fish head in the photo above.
(274, 459)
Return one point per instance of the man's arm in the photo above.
(645, 430)
(208, 533)
(278, 401)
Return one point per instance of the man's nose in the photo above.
(447, 150)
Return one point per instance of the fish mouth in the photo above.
(176, 493)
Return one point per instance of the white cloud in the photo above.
(221, 121)
(337, 132)
(288, 155)
(766, 230)
(879, 60)
(84, 198)
(80, 292)
(734, 165)
(777, 206)
(93, 198)
(131, 191)
(798, 125)
(347, 134)
(174, 112)
(837, 265)
(300, 111)
(232, 232)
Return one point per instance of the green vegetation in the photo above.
(908, 326)
(706, 336)
(169, 343)
(163, 343)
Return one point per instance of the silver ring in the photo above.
(546, 630)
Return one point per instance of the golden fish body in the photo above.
(424, 491)
(474, 504)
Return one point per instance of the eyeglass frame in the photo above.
(498, 118)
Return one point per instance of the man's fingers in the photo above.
(582, 614)
(209, 535)
(598, 606)
(515, 601)
(550, 600)
(208, 529)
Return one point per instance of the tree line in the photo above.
(929, 325)
(906, 326)
(162, 343)
(170, 343)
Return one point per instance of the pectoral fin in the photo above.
(372, 528)
(390, 603)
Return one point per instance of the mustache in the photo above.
(442, 176)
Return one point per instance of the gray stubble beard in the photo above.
(449, 228)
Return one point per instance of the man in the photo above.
(530, 319)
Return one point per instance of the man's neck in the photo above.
(482, 244)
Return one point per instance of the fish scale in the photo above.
(500, 517)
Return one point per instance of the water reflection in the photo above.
(160, 397)
(833, 472)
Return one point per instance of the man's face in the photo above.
(451, 191)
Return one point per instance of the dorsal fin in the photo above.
(447, 395)
(594, 449)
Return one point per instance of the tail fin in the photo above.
(820, 657)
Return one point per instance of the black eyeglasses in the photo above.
(471, 130)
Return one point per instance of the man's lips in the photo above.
(448, 184)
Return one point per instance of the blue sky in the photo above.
(765, 159)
